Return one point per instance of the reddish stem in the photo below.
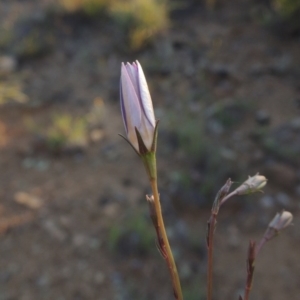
(250, 269)
(211, 225)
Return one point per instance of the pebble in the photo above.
(262, 117)
(8, 65)
(28, 200)
(281, 65)
(43, 281)
(214, 127)
(38, 164)
(295, 123)
(79, 240)
(54, 230)
(110, 152)
(96, 135)
(99, 278)
(94, 243)
(221, 71)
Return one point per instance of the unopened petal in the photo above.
(130, 106)
(252, 185)
(123, 108)
(132, 71)
(281, 220)
(147, 133)
(145, 97)
(130, 99)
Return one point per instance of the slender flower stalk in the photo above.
(251, 185)
(279, 222)
(250, 269)
(211, 226)
(164, 243)
(141, 130)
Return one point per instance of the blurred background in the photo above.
(225, 82)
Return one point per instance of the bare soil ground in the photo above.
(74, 223)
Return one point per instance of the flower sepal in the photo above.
(143, 150)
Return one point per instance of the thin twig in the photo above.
(228, 197)
(163, 243)
(211, 225)
(250, 269)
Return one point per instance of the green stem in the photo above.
(170, 258)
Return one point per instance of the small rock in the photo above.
(214, 127)
(65, 221)
(281, 65)
(54, 230)
(43, 281)
(262, 117)
(221, 71)
(8, 65)
(38, 164)
(96, 135)
(99, 278)
(28, 200)
(295, 123)
(110, 152)
(79, 240)
(94, 243)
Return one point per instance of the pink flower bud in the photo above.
(281, 220)
(136, 106)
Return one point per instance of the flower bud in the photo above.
(137, 108)
(281, 220)
(252, 185)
